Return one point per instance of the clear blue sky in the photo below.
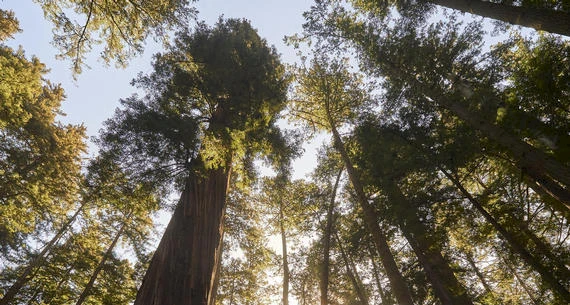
(95, 95)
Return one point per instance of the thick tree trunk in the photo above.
(399, 287)
(545, 273)
(26, 276)
(285, 261)
(540, 19)
(446, 286)
(325, 265)
(87, 290)
(351, 273)
(184, 267)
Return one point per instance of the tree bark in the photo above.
(545, 273)
(399, 286)
(386, 300)
(446, 286)
(87, 290)
(285, 261)
(38, 260)
(549, 20)
(325, 266)
(184, 266)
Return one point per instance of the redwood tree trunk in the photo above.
(399, 286)
(540, 19)
(446, 286)
(184, 267)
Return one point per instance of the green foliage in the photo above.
(121, 26)
(214, 96)
(39, 157)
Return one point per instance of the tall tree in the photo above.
(328, 96)
(211, 107)
(40, 158)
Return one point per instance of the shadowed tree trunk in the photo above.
(38, 260)
(184, 267)
(325, 266)
(352, 273)
(285, 258)
(386, 300)
(87, 290)
(480, 276)
(540, 19)
(545, 273)
(446, 286)
(399, 286)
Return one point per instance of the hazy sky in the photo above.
(95, 95)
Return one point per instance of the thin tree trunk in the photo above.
(325, 266)
(386, 300)
(38, 260)
(480, 276)
(535, 163)
(185, 265)
(517, 277)
(399, 287)
(351, 273)
(540, 19)
(285, 261)
(87, 290)
(446, 286)
(544, 272)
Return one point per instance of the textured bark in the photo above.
(325, 265)
(26, 276)
(399, 287)
(540, 19)
(87, 290)
(545, 273)
(184, 267)
(446, 286)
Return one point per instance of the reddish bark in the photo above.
(184, 268)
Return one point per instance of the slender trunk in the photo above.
(383, 297)
(285, 262)
(535, 163)
(399, 286)
(325, 266)
(480, 276)
(517, 277)
(545, 273)
(26, 276)
(351, 273)
(87, 290)
(557, 203)
(538, 18)
(446, 286)
(185, 265)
